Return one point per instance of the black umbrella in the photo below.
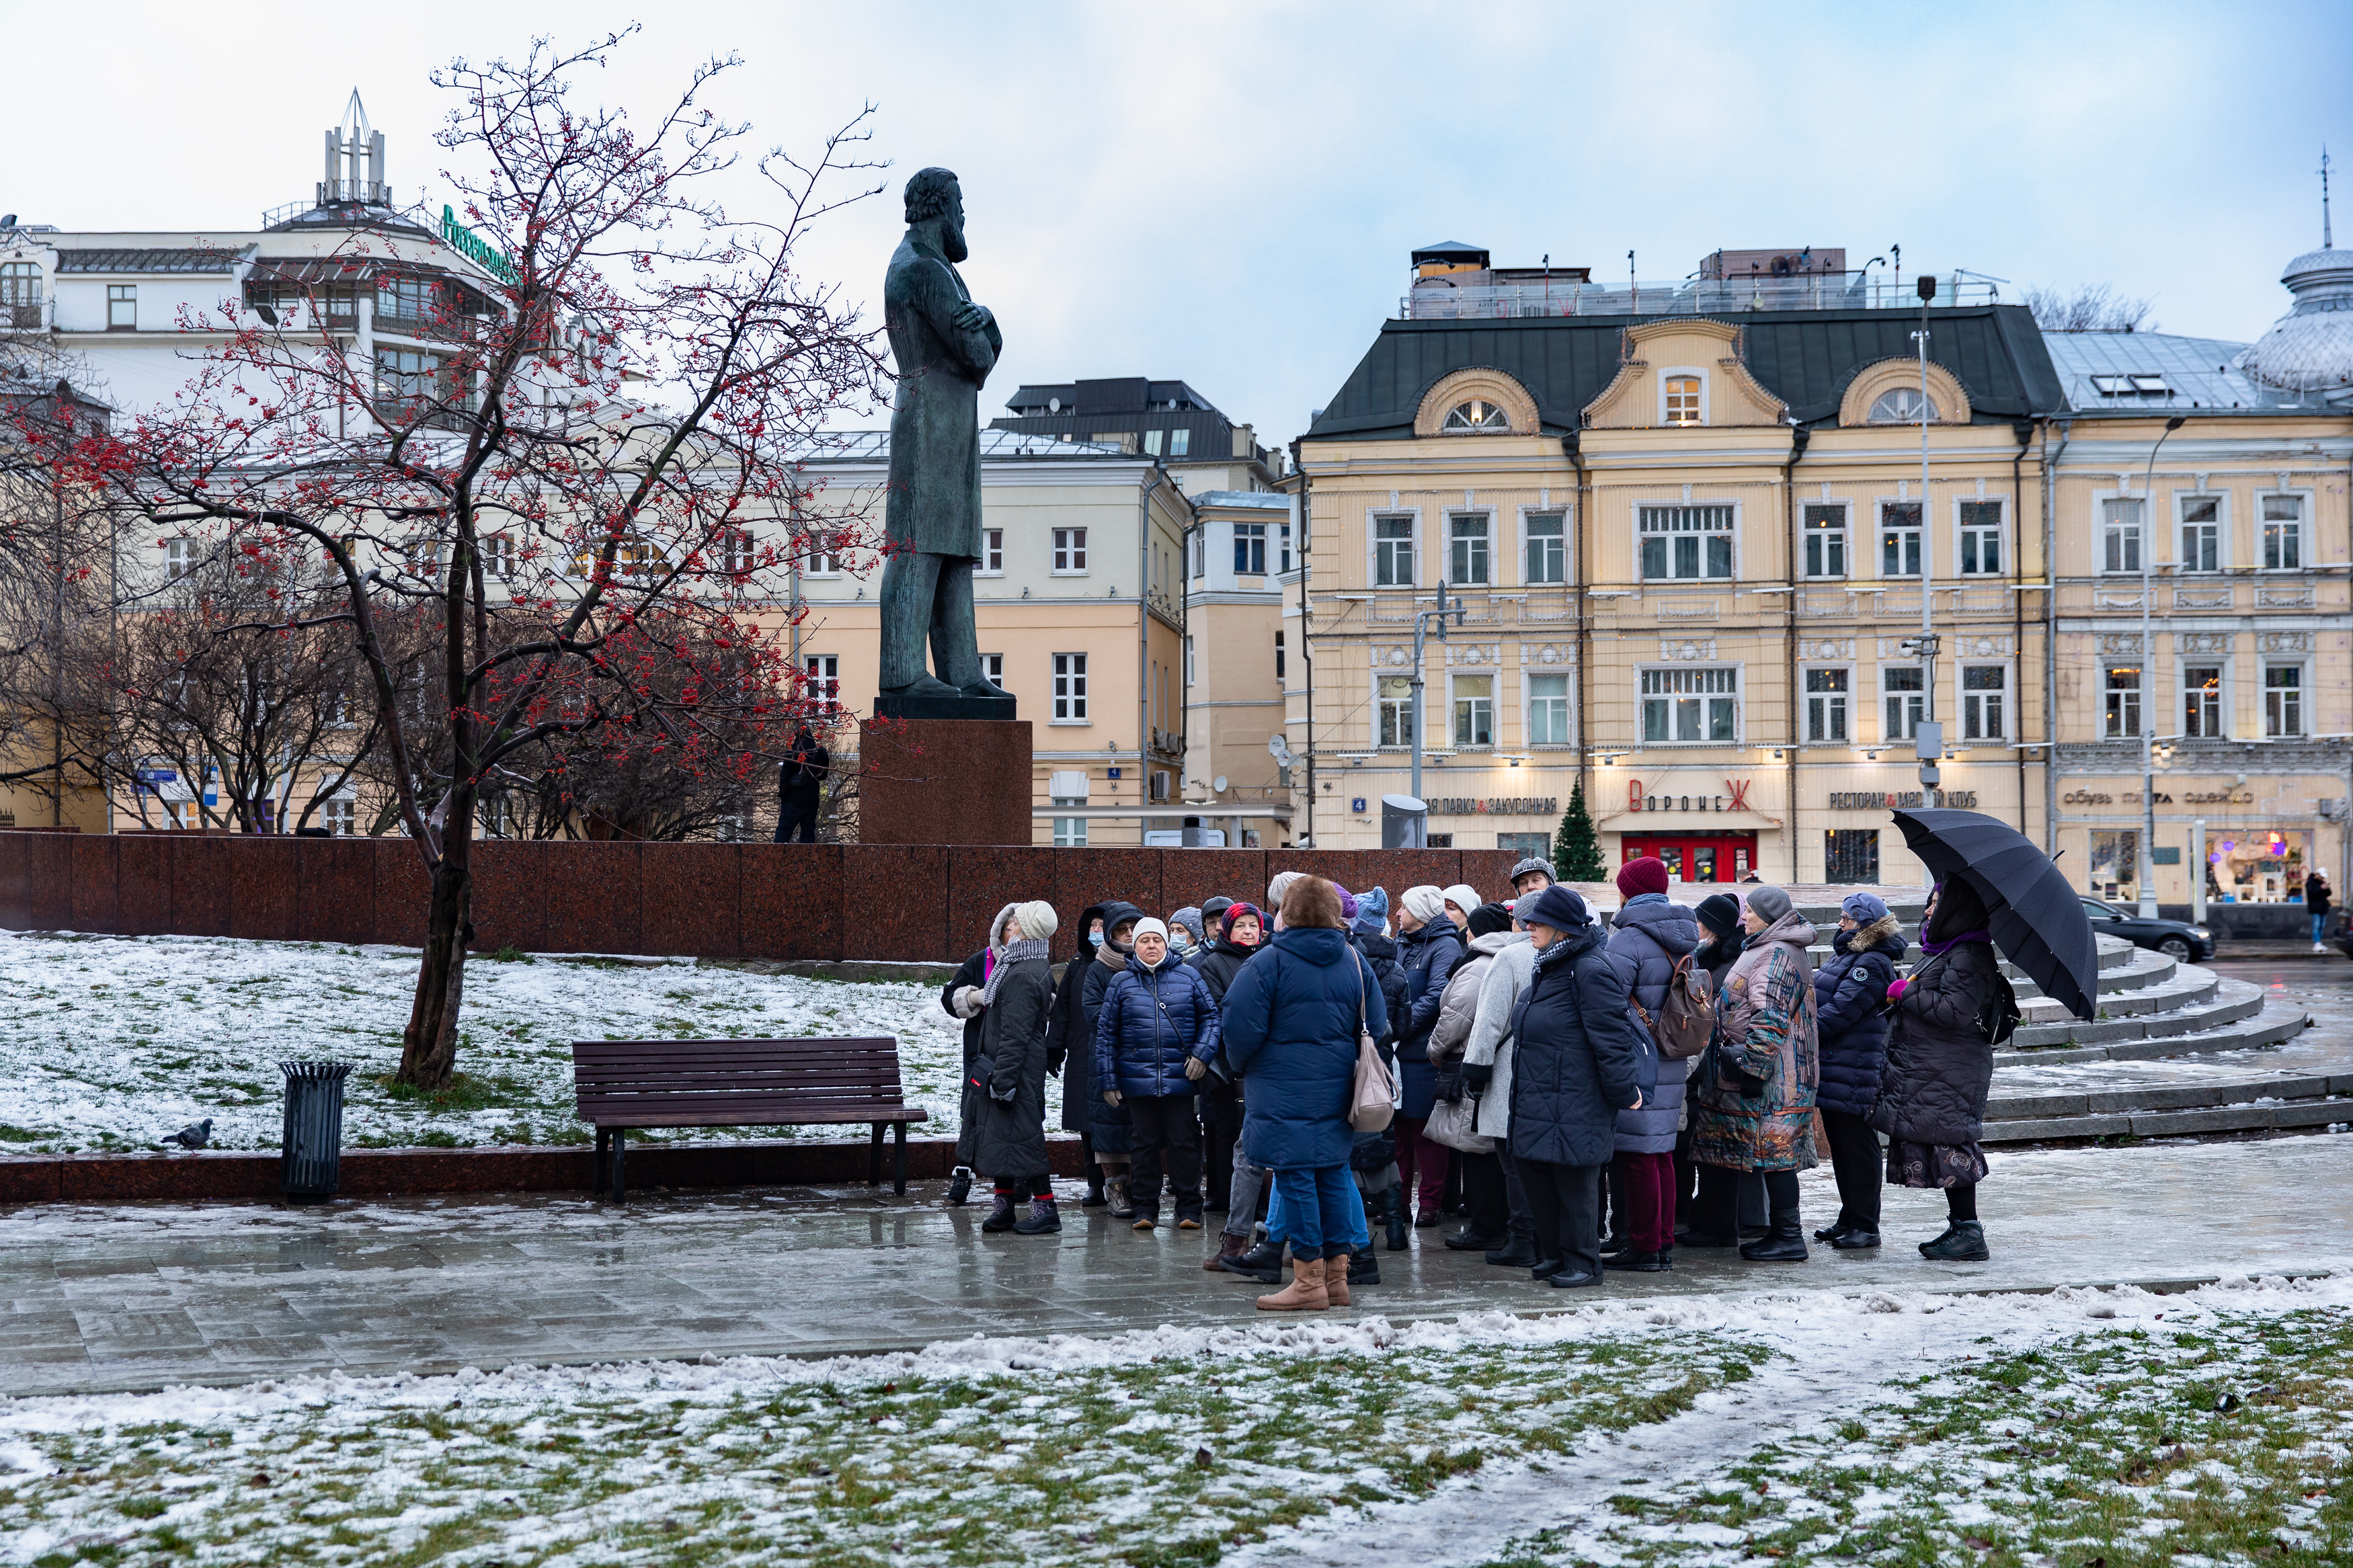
(2034, 915)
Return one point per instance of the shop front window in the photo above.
(2259, 867)
(2116, 864)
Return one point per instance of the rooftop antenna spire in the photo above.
(2327, 243)
(355, 161)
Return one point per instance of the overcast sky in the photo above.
(1227, 194)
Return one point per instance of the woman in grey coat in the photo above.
(1487, 1073)
(1016, 1003)
(1648, 936)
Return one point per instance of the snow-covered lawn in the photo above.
(112, 1042)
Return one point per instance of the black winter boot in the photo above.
(1393, 1222)
(1964, 1243)
(1784, 1242)
(1000, 1214)
(1045, 1219)
(1515, 1253)
(1262, 1262)
(960, 1185)
(1094, 1198)
(1364, 1268)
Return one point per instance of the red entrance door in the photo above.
(1697, 857)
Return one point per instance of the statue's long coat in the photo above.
(934, 503)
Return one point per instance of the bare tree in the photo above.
(2089, 308)
(604, 459)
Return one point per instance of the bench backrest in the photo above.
(733, 1079)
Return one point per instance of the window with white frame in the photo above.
(1981, 537)
(1280, 665)
(1180, 442)
(1475, 709)
(1826, 702)
(1069, 832)
(1249, 550)
(2201, 702)
(1394, 701)
(1069, 689)
(2120, 698)
(992, 665)
(1690, 704)
(1903, 695)
(1682, 400)
(1070, 550)
(1466, 559)
(122, 307)
(1686, 543)
(2202, 534)
(1548, 547)
(2282, 533)
(1393, 563)
(822, 562)
(824, 682)
(1985, 701)
(1282, 542)
(1152, 443)
(1192, 669)
(1548, 710)
(1899, 539)
(1901, 405)
(2283, 700)
(179, 558)
(335, 814)
(20, 294)
(2120, 533)
(498, 557)
(992, 552)
(1478, 415)
(1201, 551)
(1826, 538)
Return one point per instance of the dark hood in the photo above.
(1675, 927)
(1383, 948)
(1087, 917)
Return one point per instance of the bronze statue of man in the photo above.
(946, 346)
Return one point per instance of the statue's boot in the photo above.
(985, 687)
(929, 686)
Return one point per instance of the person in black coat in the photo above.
(1016, 1001)
(1071, 1035)
(1574, 1066)
(800, 786)
(1430, 946)
(1851, 1022)
(1238, 929)
(961, 998)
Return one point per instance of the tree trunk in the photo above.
(428, 1050)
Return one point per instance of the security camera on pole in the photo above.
(1422, 620)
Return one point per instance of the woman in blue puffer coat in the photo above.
(1154, 1041)
(1289, 1027)
(1852, 1024)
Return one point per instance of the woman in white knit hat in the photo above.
(1429, 945)
(1016, 1001)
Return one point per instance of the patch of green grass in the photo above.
(510, 955)
(9, 1134)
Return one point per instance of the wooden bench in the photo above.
(621, 1084)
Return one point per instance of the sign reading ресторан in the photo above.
(1903, 800)
(1500, 805)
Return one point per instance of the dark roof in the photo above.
(1450, 250)
(1115, 395)
(128, 258)
(1806, 358)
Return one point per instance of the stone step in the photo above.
(2273, 1116)
(2226, 1002)
(2167, 1097)
(2235, 1020)
(2181, 988)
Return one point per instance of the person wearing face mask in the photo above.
(1156, 1032)
(1070, 1050)
(1186, 933)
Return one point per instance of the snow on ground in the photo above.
(112, 1042)
(2058, 1427)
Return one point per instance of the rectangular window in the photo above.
(1981, 538)
(2122, 694)
(1152, 443)
(1548, 710)
(2202, 534)
(1396, 704)
(1686, 543)
(1070, 688)
(1826, 698)
(1682, 400)
(1689, 704)
(1069, 832)
(1826, 541)
(1393, 563)
(1985, 691)
(411, 384)
(1904, 690)
(2282, 533)
(2201, 702)
(1475, 709)
(824, 684)
(1201, 551)
(499, 556)
(2283, 699)
(1283, 535)
(992, 665)
(1467, 547)
(1899, 539)
(334, 815)
(1278, 657)
(2120, 534)
(1548, 547)
(1192, 669)
(179, 558)
(122, 307)
(1180, 442)
(1851, 855)
(992, 551)
(1250, 548)
(1070, 550)
(2116, 863)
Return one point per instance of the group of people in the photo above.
(1590, 1095)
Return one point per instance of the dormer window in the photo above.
(1682, 400)
(1478, 417)
(1901, 405)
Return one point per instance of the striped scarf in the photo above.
(1011, 954)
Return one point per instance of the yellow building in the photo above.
(1242, 622)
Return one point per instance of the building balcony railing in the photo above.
(1876, 289)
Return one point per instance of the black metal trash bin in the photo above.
(310, 1148)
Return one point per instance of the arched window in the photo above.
(1900, 405)
(1477, 415)
(1682, 400)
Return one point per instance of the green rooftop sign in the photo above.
(467, 243)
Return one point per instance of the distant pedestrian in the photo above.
(1575, 1068)
(800, 788)
(1649, 935)
(1851, 1015)
(1430, 946)
(1157, 1031)
(1753, 1094)
(1940, 1067)
(1015, 1006)
(2318, 900)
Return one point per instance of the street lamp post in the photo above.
(2147, 679)
(1928, 734)
(1421, 621)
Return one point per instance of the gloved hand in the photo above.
(966, 1002)
(1194, 1068)
(1002, 1096)
(1054, 1062)
(1477, 1076)
(1895, 991)
(1111, 1097)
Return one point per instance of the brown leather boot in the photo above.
(1228, 1247)
(1336, 1280)
(1305, 1293)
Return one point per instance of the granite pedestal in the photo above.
(944, 781)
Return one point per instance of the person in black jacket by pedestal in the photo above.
(800, 786)
(1852, 1023)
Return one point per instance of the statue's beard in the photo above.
(952, 244)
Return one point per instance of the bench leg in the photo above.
(898, 1158)
(597, 1163)
(874, 1157)
(621, 1163)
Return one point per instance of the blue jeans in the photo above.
(1360, 1238)
(2317, 921)
(1318, 1212)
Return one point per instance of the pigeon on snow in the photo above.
(195, 1135)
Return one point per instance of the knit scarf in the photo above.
(1011, 954)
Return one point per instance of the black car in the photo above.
(2178, 940)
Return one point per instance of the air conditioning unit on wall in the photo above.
(1160, 784)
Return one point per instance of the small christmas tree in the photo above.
(1576, 851)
